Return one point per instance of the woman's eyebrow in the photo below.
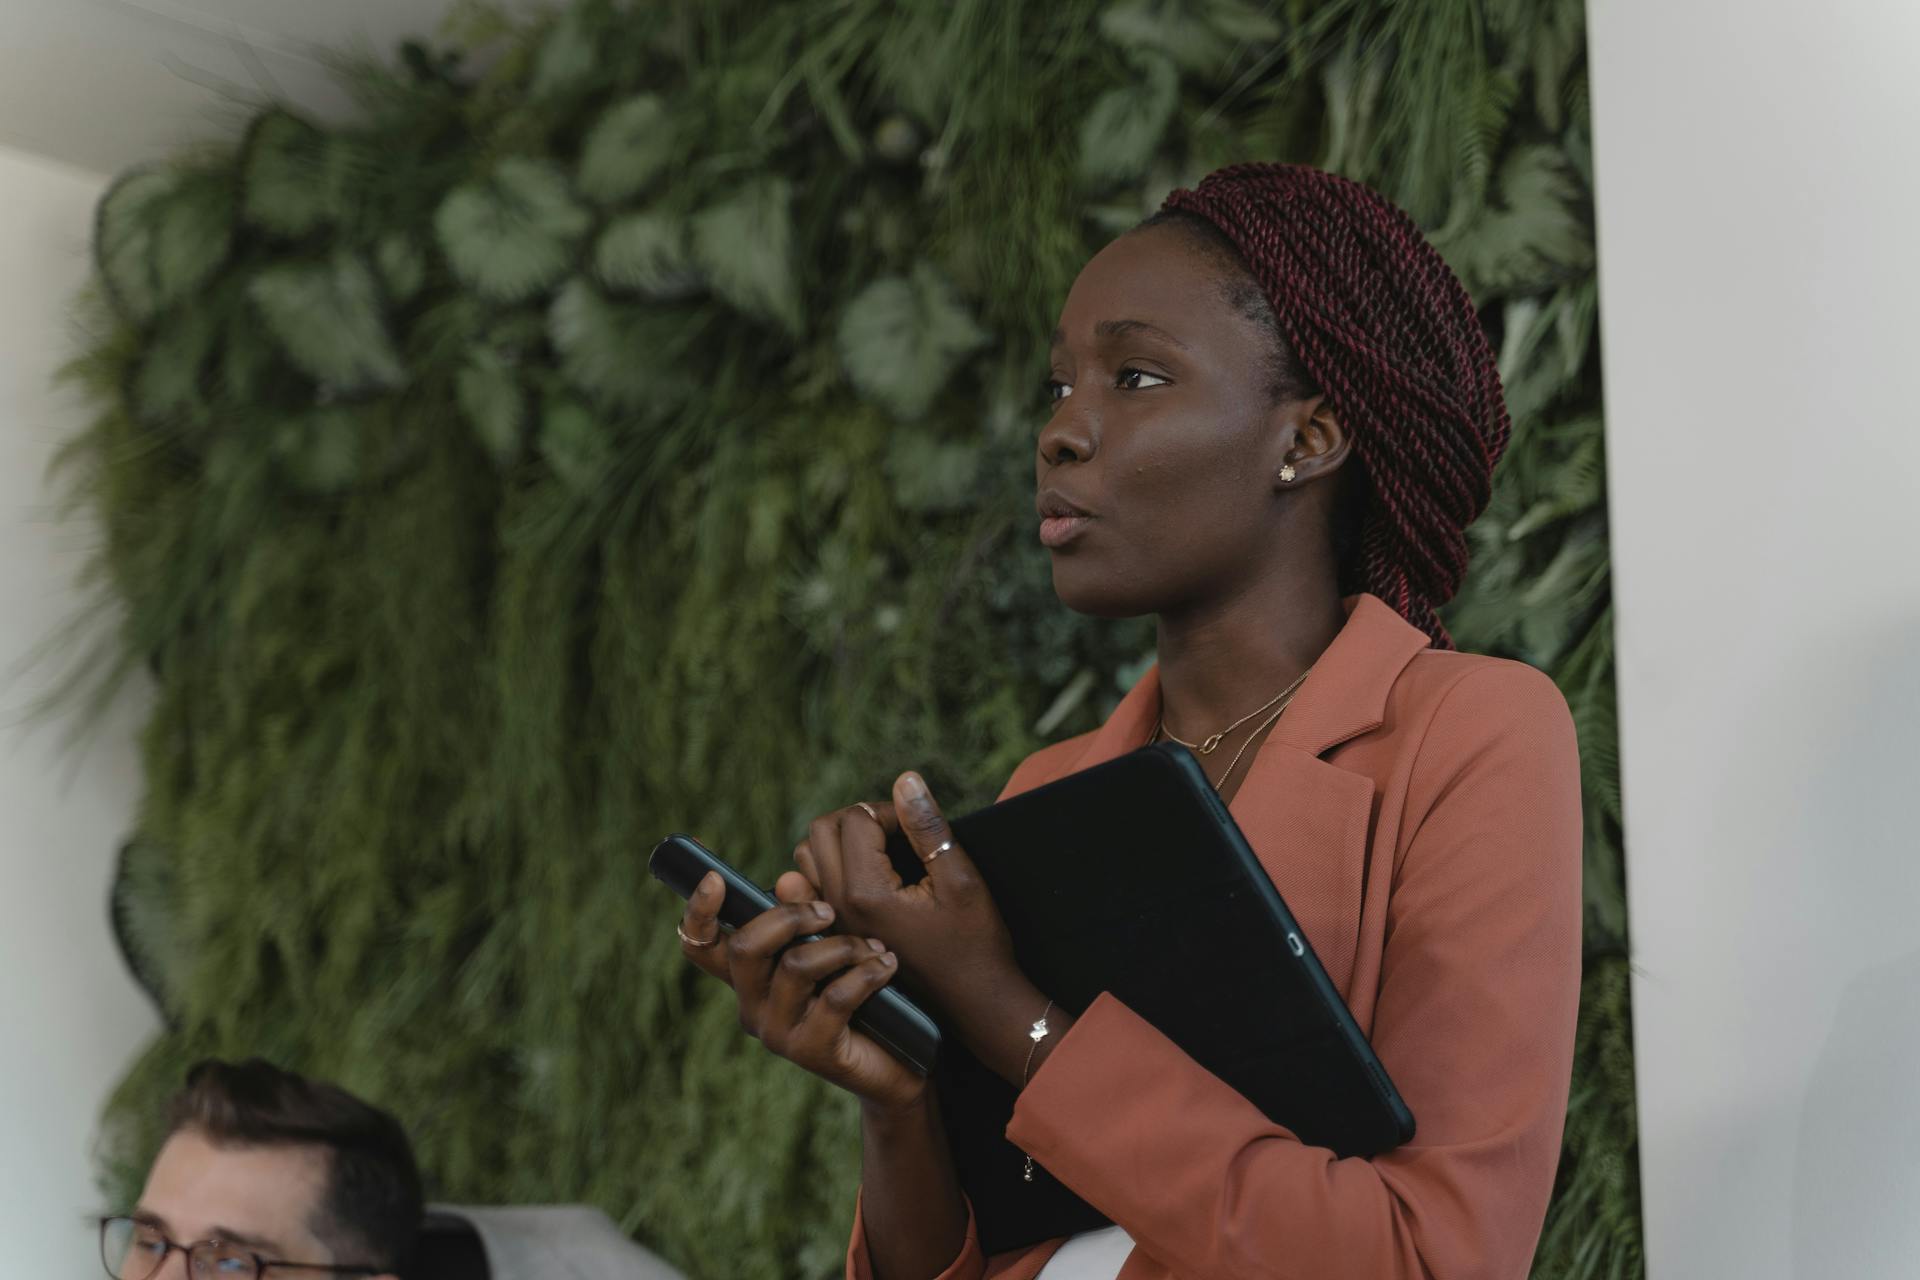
(1121, 328)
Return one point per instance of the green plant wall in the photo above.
(624, 426)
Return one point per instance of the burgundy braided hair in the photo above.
(1379, 322)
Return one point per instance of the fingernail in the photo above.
(876, 944)
(710, 882)
(912, 787)
(822, 911)
(889, 960)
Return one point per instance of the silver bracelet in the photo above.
(1038, 1033)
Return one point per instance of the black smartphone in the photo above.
(901, 1026)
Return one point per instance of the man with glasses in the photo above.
(268, 1174)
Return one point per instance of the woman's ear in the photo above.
(1310, 442)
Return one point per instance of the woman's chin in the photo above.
(1096, 595)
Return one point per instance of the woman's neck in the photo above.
(1218, 665)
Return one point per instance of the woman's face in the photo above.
(1164, 431)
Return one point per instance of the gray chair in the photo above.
(536, 1242)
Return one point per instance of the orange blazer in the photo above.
(1419, 811)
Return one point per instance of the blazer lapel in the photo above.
(1309, 820)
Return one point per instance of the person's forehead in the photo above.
(201, 1188)
(1154, 275)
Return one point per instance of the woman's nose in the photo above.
(1069, 436)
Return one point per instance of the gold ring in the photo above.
(694, 942)
(867, 809)
(944, 846)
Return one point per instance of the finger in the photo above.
(792, 886)
(927, 830)
(804, 967)
(754, 947)
(824, 1024)
(823, 847)
(809, 867)
(701, 924)
(888, 815)
(878, 811)
(869, 872)
(885, 812)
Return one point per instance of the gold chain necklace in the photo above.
(1208, 746)
(1159, 730)
(1285, 700)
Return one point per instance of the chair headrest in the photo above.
(448, 1248)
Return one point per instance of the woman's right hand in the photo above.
(782, 1004)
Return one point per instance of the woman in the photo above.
(1274, 416)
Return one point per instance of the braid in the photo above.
(1377, 320)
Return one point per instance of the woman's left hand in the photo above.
(945, 928)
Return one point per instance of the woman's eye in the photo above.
(1138, 380)
(1058, 391)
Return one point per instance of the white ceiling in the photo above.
(104, 84)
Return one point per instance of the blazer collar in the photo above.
(1343, 697)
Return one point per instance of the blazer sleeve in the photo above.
(1479, 990)
(972, 1264)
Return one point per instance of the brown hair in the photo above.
(370, 1211)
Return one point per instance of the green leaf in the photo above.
(147, 923)
(490, 397)
(193, 237)
(513, 235)
(646, 253)
(566, 58)
(1532, 235)
(249, 360)
(930, 474)
(403, 267)
(1119, 136)
(1483, 110)
(1352, 85)
(901, 339)
(326, 315)
(320, 451)
(287, 179)
(575, 444)
(1249, 23)
(1199, 37)
(625, 356)
(744, 246)
(123, 238)
(1578, 485)
(626, 150)
(168, 383)
(1549, 36)
(160, 235)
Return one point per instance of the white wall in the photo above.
(112, 83)
(69, 1016)
(1759, 221)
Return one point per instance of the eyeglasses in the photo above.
(135, 1250)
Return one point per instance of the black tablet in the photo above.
(1132, 878)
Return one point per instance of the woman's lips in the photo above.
(1058, 531)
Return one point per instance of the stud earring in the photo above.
(1287, 473)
